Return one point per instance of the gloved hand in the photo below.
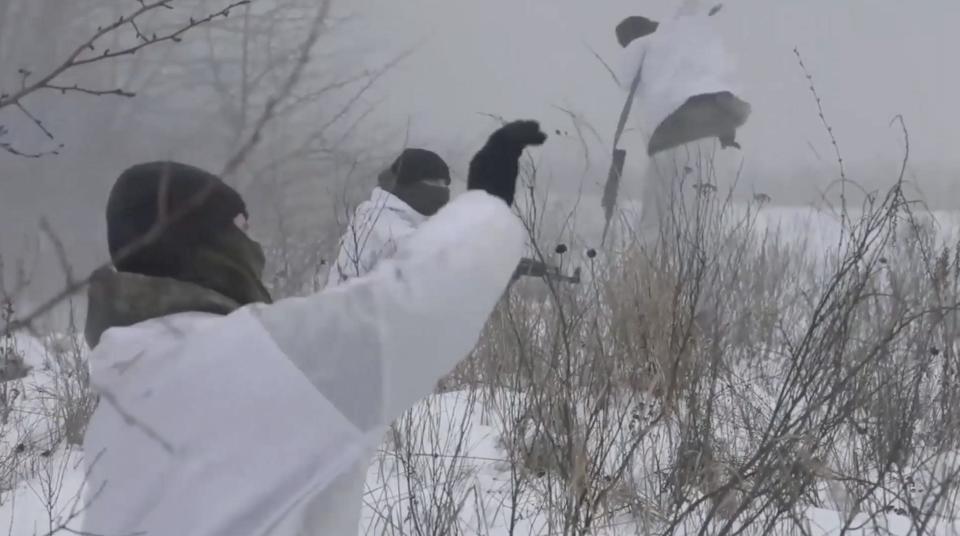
(495, 167)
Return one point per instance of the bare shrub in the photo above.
(69, 386)
(426, 471)
(725, 377)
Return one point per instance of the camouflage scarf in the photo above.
(216, 276)
(119, 299)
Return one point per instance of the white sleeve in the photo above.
(377, 344)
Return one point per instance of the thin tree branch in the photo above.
(290, 83)
(75, 60)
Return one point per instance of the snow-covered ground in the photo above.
(46, 478)
(460, 465)
(447, 463)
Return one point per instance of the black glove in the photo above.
(494, 168)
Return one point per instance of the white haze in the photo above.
(871, 59)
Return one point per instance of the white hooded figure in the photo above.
(413, 188)
(685, 97)
(222, 413)
(409, 192)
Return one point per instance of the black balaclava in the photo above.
(421, 179)
(197, 242)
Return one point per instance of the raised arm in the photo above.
(377, 344)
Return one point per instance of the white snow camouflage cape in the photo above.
(237, 425)
(684, 57)
(373, 234)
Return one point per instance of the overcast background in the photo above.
(871, 60)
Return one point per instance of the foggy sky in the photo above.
(871, 59)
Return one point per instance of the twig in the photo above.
(833, 140)
(60, 250)
(290, 83)
(74, 59)
(576, 120)
(96, 92)
(906, 145)
(605, 65)
(133, 421)
(8, 147)
(36, 121)
(155, 232)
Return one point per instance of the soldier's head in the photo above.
(167, 219)
(420, 178)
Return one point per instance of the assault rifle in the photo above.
(533, 268)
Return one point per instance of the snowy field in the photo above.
(460, 432)
(467, 461)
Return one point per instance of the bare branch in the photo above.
(87, 91)
(164, 221)
(131, 420)
(60, 250)
(9, 148)
(36, 121)
(833, 140)
(605, 65)
(289, 84)
(76, 59)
